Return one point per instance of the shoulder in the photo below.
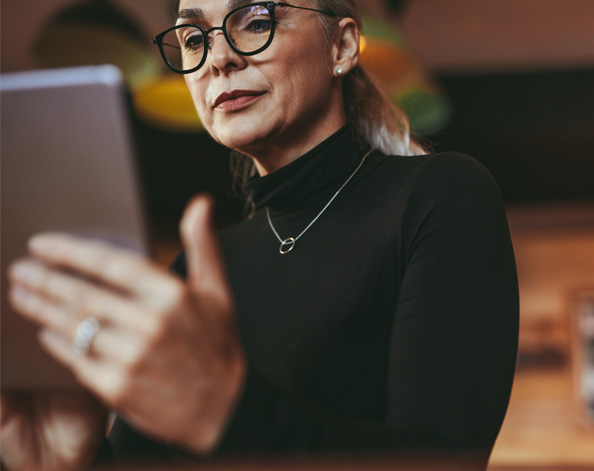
(453, 196)
(439, 175)
(440, 166)
(450, 178)
(448, 193)
(454, 167)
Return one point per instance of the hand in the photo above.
(167, 356)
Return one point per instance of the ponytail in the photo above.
(375, 119)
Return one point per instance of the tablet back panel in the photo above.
(66, 166)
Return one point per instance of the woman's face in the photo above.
(270, 100)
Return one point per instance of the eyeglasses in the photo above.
(249, 30)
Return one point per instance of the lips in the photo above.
(236, 96)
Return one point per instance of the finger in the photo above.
(119, 268)
(77, 295)
(206, 272)
(109, 380)
(116, 344)
(97, 375)
(40, 311)
(60, 347)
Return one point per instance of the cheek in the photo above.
(307, 69)
(306, 86)
(198, 93)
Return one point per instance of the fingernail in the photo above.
(41, 244)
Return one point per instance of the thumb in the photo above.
(206, 272)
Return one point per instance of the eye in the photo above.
(193, 41)
(258, 26)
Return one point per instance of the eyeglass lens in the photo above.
(247, 29)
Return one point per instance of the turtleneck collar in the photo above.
(315, 174)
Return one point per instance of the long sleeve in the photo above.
(453, 338)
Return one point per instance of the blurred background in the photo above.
(510, 82)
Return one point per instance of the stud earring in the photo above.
(340, 71)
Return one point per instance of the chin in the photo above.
(241, 134)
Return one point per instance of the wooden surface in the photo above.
(544, 426)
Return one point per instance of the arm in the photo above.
(454, 339)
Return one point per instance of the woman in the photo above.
(370, 303)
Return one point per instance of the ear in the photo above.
(346, 47)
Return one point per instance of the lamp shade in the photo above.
(166, 103)
(387, 56)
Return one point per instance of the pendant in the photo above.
(287, 245)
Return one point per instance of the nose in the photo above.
(223, 59)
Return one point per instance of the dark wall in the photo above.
(176, 166)
(534, 131)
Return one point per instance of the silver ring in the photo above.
(85, 333)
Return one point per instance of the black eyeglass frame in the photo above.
(270, 6)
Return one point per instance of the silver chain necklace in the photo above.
(288, 244)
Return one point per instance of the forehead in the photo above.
(202, 8)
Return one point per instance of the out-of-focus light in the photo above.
(167, 104)
(385, 54)
(362, 44)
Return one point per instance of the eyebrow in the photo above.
(198, 13)
(190, 13)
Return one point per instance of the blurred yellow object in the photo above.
(166, 103)
(384, 53)
(390, 65)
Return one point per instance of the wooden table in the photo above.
(543, 426)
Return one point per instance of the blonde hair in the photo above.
(374, 117)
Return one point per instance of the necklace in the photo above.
(288, 244)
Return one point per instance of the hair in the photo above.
(375, 119)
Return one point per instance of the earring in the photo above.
(340, 71)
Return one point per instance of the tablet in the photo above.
(68, 166)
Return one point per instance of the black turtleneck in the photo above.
(391, 326)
